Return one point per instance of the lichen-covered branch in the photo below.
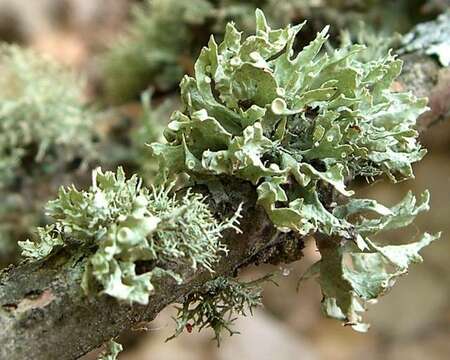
(45, 315)
(298, 125)
(44, 312)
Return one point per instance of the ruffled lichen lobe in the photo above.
(294, 124)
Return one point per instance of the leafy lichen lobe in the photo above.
(294, 124)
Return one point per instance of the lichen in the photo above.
(111, 351)
(135, 232)
(377, 43)
(298, 126)
(290, 124)
(430, 38)
(164, 36)
(295, 125)
(217, 305)
(46, 134)
(42, 115)
(149, 129)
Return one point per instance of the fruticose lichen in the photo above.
(217, 305)
(42, 115)
(297, 125)
(135, 233)
(46, 134)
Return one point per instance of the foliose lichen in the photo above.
(146, 55)
(111, 351)
(294, 125)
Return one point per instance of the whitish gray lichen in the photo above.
(431, 38)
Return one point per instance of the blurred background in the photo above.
(121, 48)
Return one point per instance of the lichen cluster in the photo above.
(42, 115)
(146, 55)
(217, 305)
(135, 233)
(46, 134)
(165, 36)
(297, 125)
(290, 124)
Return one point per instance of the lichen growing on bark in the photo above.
(135, 233)
(295, 125)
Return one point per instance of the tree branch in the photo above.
(424, 76)
(44, 315)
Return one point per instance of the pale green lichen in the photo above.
(111, 351)
(259, 113)
(164, 36)
(144, 56)
(135, 232)
(352, 273)
(149, 129)
(431, 38)
(295, 125)
(42, 115)
(217, 306)
(349, 278)
(377, 43)
(46, 134)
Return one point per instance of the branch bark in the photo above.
(424, 77)
(43, 314)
